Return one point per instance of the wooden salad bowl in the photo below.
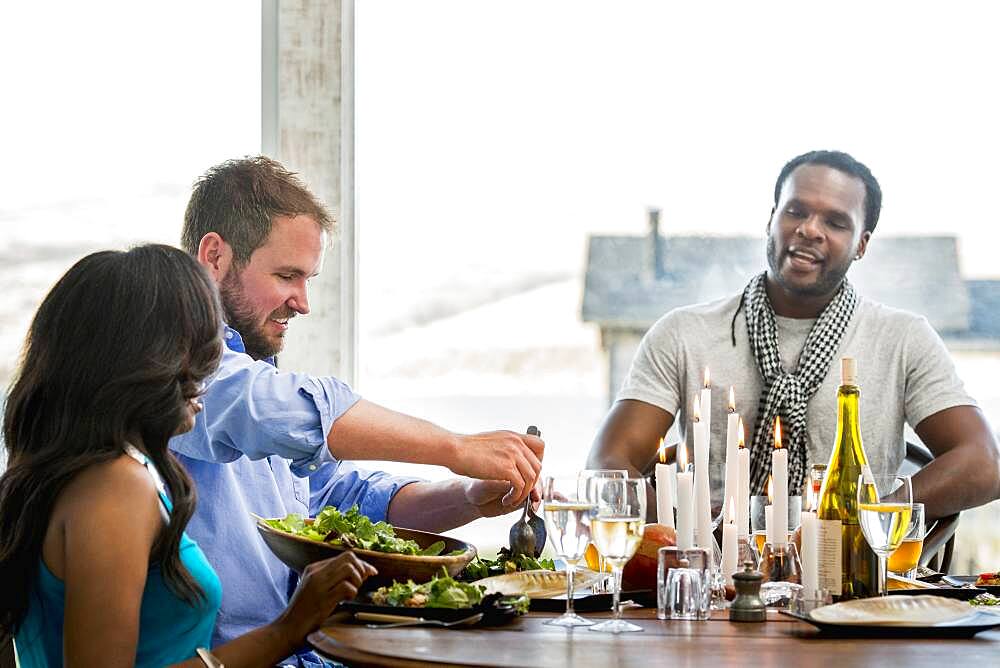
(298, 552)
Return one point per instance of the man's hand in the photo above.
(501, 457)
(487, 497)
(369, 431)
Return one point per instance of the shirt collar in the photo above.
(235, 343)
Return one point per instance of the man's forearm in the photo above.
(369, 431)
(432, 506)
(627, 440)
(965, 472)
(964, 477)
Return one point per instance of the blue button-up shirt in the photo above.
(259, 446)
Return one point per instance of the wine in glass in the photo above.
(594, 559)
(905, 560)
(884, 508)
(616, 524)
(567, 521)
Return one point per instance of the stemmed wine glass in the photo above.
(567, 520)
(616, 524)
(583, 480)
(884, 506)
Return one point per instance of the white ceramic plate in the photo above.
(537, 584)
(895, 611)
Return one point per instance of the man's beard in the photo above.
(240, 316)
(827, 282)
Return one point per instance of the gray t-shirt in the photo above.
(904, 372)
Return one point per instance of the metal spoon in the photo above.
(527, 536)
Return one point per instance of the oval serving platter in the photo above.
(894, 611)
(538, 583)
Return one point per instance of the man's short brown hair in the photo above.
(239, 199)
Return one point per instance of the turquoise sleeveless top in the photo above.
(170, 630)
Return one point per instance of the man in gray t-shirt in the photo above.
(826, 206)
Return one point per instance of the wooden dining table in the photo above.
(527, 641)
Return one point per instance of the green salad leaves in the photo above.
(442, 591)
(504, 563)
(353, 530)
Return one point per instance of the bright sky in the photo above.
(494, 136)
(119, 99)
(518, 127)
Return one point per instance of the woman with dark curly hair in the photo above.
(97, 569)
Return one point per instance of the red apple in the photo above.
(640, 571)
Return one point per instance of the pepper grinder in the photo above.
(748, 605)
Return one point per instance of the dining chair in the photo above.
(939, 543)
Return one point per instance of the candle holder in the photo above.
(714, 551)
(758, 503)
(669, 558)
(809, 601)
(746, 551)
(717, 590)
(782, 573)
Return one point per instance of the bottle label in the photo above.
(829, 555)
(866, 474)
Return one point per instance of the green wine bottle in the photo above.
(848, 567)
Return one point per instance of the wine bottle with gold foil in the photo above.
(847, 566)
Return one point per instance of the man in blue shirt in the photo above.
(271, 442)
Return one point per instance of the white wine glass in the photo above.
(617, 520)
(885, 503)
(583, 480)
(567, 521)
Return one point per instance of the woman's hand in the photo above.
(324, 584)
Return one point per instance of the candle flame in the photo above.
(732, 510)
(682, 457)
(732, 400)
(777, 432)
(708, 378)
(662, 452)
(741, 434)
(696, 410)
(770, 489)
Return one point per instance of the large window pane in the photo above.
(495, 138)
(110, 112)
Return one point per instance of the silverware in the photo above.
(528, 535)
(959, 584)
(415, 621)
(208, 658)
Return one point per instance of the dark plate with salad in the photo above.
(398, 554)
(988, 582)
(443, 598)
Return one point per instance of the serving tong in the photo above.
(528, 535)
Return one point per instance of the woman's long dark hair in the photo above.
(117, 348)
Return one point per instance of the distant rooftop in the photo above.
(630, 282)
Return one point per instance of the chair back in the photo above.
(939, 543)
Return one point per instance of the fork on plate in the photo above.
(395, 621)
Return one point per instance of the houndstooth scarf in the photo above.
(787, 394)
